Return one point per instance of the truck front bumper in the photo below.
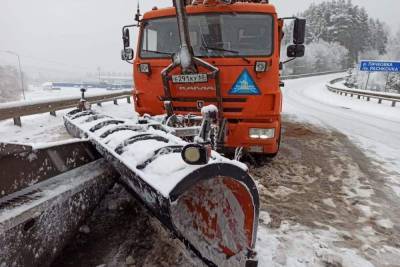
(240, 135)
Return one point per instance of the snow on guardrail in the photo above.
(16, 110)
(336, 87)
(88, 95)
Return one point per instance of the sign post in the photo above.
(387, 82)
(366, 84)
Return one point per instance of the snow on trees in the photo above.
(320, 56)
(342, 22)
(393, 52)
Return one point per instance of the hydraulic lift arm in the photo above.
(184, 57)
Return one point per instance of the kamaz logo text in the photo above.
(196, 88)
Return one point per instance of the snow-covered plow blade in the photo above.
(212, 208)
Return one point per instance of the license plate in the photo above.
(190, 78)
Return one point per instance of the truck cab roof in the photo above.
(239, 7)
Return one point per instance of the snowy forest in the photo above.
(339, 34)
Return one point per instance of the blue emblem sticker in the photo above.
(245, 85)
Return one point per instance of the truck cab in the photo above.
(241, 40)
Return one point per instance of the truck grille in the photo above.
(181, 104)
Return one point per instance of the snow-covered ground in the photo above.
(38, 93)
(330, 194)
(374, 127)
(45, 128)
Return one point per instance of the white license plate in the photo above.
(190, 78)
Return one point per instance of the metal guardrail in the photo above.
(19, 109)
(368, 95)
(336, 80)
(297, 76)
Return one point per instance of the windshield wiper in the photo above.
(158, 52)
(227, 50)
(221, 49)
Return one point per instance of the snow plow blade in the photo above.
(212, 209)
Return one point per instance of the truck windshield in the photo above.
(211, 35)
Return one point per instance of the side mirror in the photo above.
(299, 31)
(126, 37)
(296, 50)
(127, 54)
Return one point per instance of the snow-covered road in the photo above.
(375, 128)
(329, 198)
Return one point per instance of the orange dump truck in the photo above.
(236, 50)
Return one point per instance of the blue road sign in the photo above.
(380, 66)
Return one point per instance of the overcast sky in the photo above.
(81, 35)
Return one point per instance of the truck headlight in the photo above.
(257, 133)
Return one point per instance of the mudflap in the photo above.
(213, 208)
